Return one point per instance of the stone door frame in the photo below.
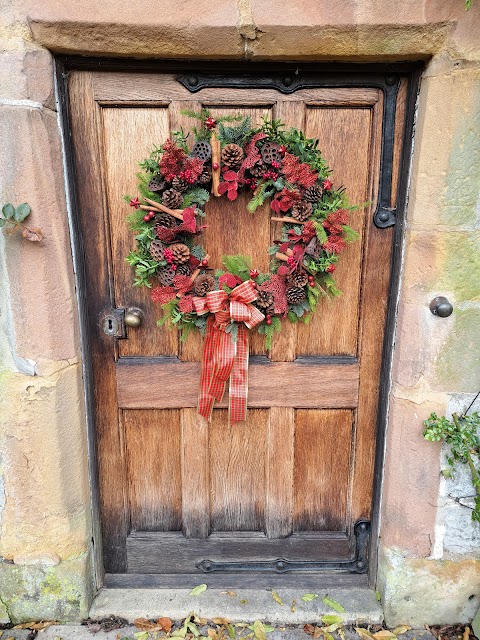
(66, 63)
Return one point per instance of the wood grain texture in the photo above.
(195, 475)
(345, 140)
(154, 483)
(129, 135)
(322, 469)
(172, 553)
(86, 122)
(174, 384)
(280, 471)
(237, 472)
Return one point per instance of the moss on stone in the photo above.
(461, 271)
(458, 363)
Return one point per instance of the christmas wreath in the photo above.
(228, 154)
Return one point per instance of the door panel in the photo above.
(292, 481)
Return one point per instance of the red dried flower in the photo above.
(334, 244)
(298, 172)
(229, 185)
(163, 294)
(182, 283)
(193, 168)
(335, 221)
(172, 159)
(284, 200)
(185, 304)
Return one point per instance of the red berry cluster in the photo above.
(188, 176)
(270, 175)
(148, 216)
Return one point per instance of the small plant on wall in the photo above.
(462, 435)
(12, 220)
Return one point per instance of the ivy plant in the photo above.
(461, 434)
(12, 219)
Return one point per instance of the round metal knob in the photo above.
(133, 317)
(441, 307)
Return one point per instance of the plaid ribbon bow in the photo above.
(224, 358)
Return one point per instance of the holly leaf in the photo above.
(22, 211)
(196, 591)
(333, 604)
(33, 234)
(8, 210)
(308, 597)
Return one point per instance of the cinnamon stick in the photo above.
(290, 220)
(281, 256)
(215, 144)
(156, 206)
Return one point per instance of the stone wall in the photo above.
(427, 566)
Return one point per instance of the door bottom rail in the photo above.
(357, 564)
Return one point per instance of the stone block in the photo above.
(46, 515)
(27, 74)
(194, 30)
(445, 183)
(411, 479)
(43, 304)
(39, 592)
(418, 591)
(457, 365)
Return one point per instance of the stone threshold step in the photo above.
(246, 604)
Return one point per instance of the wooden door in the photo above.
(175, 494)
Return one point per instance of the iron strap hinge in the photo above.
(357, 564)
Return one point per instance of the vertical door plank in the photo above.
(322, 469)
(195, 475)
(344, 136)
(279, 468)
(152, 443)
(129, 135)
(86, 128)
(284, 345)
(237, 472)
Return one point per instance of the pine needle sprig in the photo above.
(234, 135)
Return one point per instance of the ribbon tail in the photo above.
(205, 400)
(237, 410)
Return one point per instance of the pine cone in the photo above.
(165, 220)
(205, 176)
(202, 149)
(302, 210)
(172, 198)
(271, 153)
(232, 156)
(180, 184)
(156, 250)
(295, 295)
(157, 183)
(264, 300)
(258, 170)
(165, 276)
(183, 270)
(313, 194)
(203, 284)
(181, 253)
(298, 279)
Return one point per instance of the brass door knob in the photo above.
(133, 317)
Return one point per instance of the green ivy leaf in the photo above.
(308, 597)
(8, 210)
(22, 211)
(333, 604)
(196, 591)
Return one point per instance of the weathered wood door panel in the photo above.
(291, 482)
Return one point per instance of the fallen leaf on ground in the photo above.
(196, 591)
(308, 597)
(363, 633)
(293, 608)
(35, 626)
(232, 594)
(317, 632)
(309, 629)
(330, 619)
(145, 625)
(384, 634)
(243, 601)
(165, 623)
(401, 629)
(33, 234)
(223, 621)
(333, 604)
(259, 630)
(277, 598)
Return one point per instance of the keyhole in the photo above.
(110, 324)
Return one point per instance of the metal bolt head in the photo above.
(441, 307)
(288, 81)
(192, 80)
